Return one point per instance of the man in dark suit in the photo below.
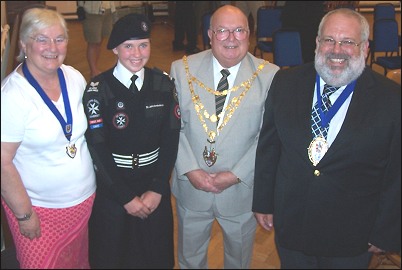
(333, 195)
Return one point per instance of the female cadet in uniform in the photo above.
(133, 138)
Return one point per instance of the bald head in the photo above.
(228, 10)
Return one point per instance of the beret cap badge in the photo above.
(144, 26)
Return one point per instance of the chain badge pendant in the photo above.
(210, 155)
(317, 149)
(71, 150)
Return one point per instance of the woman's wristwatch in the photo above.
(25, 217)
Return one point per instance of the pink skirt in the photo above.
(64, 239)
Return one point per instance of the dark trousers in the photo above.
(292, 259)
(185, 24)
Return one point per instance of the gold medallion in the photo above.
(210, 156)
(71, 150)
(317, 149)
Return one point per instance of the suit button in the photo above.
(316, 172)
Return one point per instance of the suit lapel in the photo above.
(303, 91)
(355, 115)
(205, 76)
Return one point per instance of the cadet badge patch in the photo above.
(177, 111)
(120, 120)
(120, 105)
(93, 108)
(96, 123)
(93, 87)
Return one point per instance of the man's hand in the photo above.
(265, 220)
(223, 180)
(201, 180)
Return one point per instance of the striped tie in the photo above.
(315, 116)
(222, 85)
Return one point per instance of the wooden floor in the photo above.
(264, 253)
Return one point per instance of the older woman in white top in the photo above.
(47, 176)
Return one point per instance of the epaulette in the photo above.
(158, 83)
(163, 72)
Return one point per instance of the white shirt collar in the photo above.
(217, 72)
(124, 75)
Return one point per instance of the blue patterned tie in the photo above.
(315, 116)
(222, 85)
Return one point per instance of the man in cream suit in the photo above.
(214, 171)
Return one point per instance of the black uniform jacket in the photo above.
(352, 197)
(132, 137)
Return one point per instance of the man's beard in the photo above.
(352, 71)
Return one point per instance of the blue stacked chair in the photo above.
(287, 51)
(268, 21)
(384, 11)
(385, 41)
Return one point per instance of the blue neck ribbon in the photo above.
(326, 118)
(66, 126)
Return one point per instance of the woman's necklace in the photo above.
(67, 126)
(210, 155)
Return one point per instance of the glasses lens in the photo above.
(344, 43)
(223, 34)
(348, 43)
(240, 34)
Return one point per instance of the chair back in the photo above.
(268, 21)
(385, 41)
(381, 11)
(385, 36)
(384, 11)
(287, 48)
(206, 20)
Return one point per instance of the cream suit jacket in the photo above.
(236, 143)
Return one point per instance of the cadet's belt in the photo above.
(136, 160)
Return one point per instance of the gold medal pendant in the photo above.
(71, 150)
(210, 155)
(317, 149)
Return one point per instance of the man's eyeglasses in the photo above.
(45, 41)
(223, 34)
(330, 42)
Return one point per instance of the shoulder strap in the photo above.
(161, 81)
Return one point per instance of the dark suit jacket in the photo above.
(356, 198)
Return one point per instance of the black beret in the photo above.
(130, 27)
